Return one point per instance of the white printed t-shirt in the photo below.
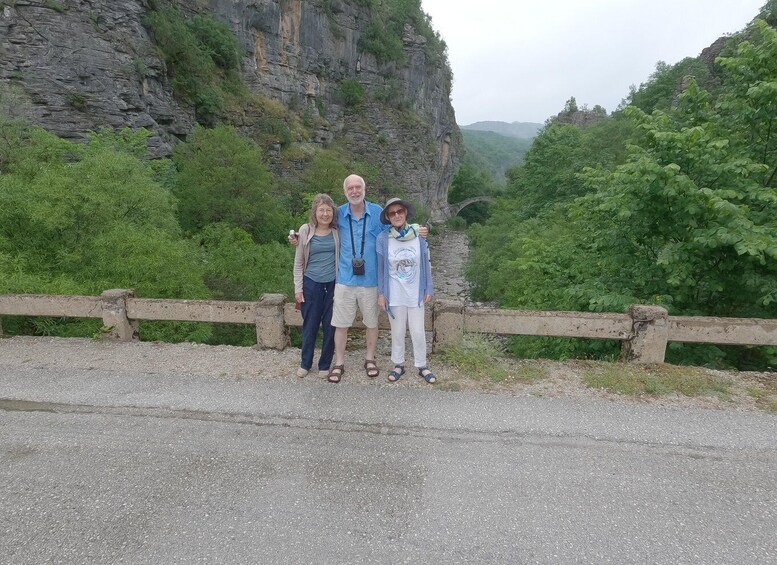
(404, 272)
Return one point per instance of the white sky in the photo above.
(521, 60)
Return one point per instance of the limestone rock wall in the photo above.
(86, 64)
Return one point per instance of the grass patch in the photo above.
(479, 358)
(765, 396)
(56, 6)
(449, 386)
(658, 380)
(77, 101)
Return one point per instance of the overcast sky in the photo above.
(521, 60)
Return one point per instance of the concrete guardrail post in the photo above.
(650, 332)
(114, 311)
(271, 332)
(448, 323)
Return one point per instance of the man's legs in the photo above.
(368, 304)
(344, 311)
(341, 338)
(372, 342)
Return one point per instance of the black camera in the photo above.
(358, 265)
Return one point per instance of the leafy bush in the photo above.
(383, 37)
(457, 223)
(383, 42)
(681, 216)
(237, 268)
(221, 178)
(79, 219)
(217, 40)
(201, 55)
(351, 92)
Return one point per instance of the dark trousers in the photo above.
(317, 313)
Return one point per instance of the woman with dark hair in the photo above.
(315, 270)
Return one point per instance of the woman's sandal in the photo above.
(334, 377)
(372, 368)
(429, 377)
(395, 375)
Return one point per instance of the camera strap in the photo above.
(364, 233)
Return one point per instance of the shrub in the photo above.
(78, 219)
(201, 57)
(457, 223)
(221, 178)
(351, 92)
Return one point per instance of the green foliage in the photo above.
(657, 381)
(234, 261)
(79, 219)
(237, 268)
(221, 178)
(217, 40)
(383, 42)
(383, 37)
(56, 6)
(202, 57)
(456, 223)
(667, 81)
(549, 175)
(476, 356)
(326, 173)
(274, 130)
(470, 181)
(681, 216)
(77, 100)
(494, 152)
(351, 92)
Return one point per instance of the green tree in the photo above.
(472, 181)
(685, 220)
(237, 268)
(79, 219)
(221, 178)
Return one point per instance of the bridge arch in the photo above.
(454, 209)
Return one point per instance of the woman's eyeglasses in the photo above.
(397, 212)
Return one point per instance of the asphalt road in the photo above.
(123, 466)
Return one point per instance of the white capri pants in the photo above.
(412, 318)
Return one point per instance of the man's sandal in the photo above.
(372, 368)
(336, 373)
(428, 376)
(395, 375)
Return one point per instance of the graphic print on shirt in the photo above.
(404, 265)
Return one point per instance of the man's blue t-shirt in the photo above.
(370, 218)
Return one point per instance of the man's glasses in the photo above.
(397, 212)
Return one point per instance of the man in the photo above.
(357, 274)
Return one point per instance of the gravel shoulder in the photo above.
(538, 378)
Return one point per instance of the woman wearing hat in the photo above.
(404, 285)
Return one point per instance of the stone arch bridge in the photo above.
(454, 209)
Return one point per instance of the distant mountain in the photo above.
(521, 130)
(493, 151)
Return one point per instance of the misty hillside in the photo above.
(495, 152)
(521, 130)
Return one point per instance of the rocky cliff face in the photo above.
(86, 64)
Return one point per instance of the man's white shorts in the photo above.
(347, 298)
